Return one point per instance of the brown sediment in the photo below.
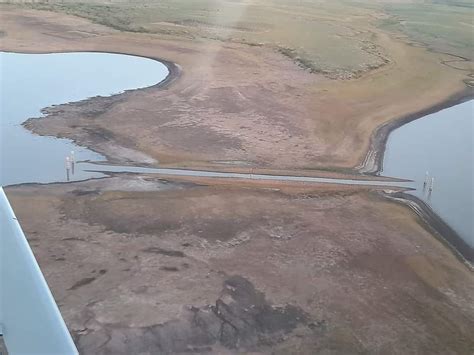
(305, 270)
(99, 104)
(228, 105)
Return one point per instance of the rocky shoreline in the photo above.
(437, 225)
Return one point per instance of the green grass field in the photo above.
(322, 36)
(447, 26)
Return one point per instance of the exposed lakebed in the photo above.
(441, 143)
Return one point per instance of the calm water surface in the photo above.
(30, 82)
(442, 145)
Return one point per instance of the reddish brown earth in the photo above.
(139, 264)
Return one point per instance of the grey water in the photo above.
(442, 145)
(30, 82)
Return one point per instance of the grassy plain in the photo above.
(323, 36)
(444, 26)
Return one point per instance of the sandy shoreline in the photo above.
(373, 162)
(373, 165)
(174, 72)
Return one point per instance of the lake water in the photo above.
(442, 145)
(30, 82)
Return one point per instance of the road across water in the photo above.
(101, 168)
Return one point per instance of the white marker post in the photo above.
(68, 167)
(73, 161)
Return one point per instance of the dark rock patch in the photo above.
(82, 282)
(85, 192)
(242, 319)
(167, 252)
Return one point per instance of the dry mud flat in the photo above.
(232, 102)
(143, 265)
